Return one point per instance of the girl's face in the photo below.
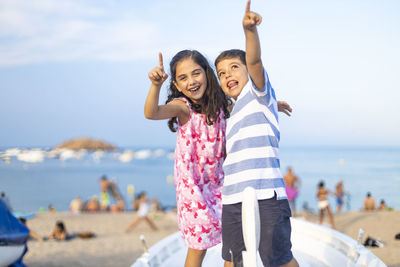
(190, 79)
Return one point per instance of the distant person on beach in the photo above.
(109, 189)
(32, 234)
(104, 202)
(142, 213)
(103, 184)
(369, 203)
(382, 205)
(59, 232)
(155, 205)
(323, 203)
(76, 205)
(292, 185)
(51, 208)
(119, 206)
(104, 195)
(93, 204)
(339, 194)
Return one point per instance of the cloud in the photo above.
(45, 30)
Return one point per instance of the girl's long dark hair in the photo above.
(213, 99)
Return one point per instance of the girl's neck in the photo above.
(197, 107)
(194, 101)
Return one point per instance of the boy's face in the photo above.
(232, 75)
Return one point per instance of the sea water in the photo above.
(363, 170)
(34, 186)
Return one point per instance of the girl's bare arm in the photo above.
(154, 111)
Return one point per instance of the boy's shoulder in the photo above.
(250, 90)
(267, 86)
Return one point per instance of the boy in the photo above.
(252, 153)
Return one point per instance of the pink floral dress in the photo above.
(199, 155)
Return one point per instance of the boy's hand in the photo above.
(157, 75)
(284, 107)
(250, 19)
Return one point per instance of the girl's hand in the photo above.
(157, 75)
(250, 19)
(284, 107)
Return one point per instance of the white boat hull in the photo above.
(9, 254)
(313, 245)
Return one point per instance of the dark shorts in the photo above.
(275, 246)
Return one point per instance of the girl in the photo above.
(198, 107)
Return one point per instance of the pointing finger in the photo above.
(248, 6)
(160, 60)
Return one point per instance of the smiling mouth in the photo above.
(194, 89)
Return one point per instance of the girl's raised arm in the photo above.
(154, 111)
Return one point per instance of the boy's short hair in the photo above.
(232, 53)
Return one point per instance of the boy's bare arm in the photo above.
(253, 49)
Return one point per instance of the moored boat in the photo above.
(313, 245)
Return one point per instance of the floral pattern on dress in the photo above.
(199, 155)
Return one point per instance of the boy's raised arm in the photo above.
(253, 49)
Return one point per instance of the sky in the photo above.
(76, 68)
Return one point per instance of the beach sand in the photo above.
(382, 225)
(113, 247)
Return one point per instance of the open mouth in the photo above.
(232, 84)
(194, 89)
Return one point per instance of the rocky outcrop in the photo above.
(86, 143)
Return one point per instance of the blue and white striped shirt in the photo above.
(252, 146)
